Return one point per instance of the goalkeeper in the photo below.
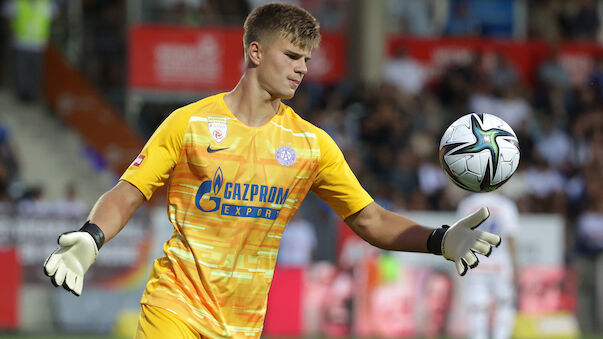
(240, 164)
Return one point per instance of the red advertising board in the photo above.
(442, 52)
(10, 287)
(284, 311)
(526, 56)
(209, 58)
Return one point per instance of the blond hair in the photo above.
(290, 21)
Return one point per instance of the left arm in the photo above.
(338, 187)
(459, 242)
(388, 230)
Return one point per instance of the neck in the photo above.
(250, 103)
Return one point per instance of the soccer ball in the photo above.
(479, 152)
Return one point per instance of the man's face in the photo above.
(282, 67)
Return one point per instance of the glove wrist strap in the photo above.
(96, 233)
(434, 242)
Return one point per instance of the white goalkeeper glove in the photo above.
(461, 241)
(67, 265)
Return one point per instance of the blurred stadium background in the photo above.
(77, 103)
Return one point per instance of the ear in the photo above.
(255, 53)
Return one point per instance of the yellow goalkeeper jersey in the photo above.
(232, 190)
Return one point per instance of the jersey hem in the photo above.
(353, 211)
(131, 181)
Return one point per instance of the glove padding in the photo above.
(461, 241)
(67, 265)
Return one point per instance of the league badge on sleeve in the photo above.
(218, 127)
(138, 161)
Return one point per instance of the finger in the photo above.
(461, 267)
(51, 264)
(59, 276)
(490, 238)
(79, 284)
(68, 239)
(471, 260)
(482, 247)
(69, 281)
(476, 218)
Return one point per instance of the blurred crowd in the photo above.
(390, 133)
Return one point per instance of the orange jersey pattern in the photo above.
(232, 190)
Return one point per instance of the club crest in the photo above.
(286, 155)
(218, 127)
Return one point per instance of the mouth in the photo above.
(294, 82)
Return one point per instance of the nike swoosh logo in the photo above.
(213, 150)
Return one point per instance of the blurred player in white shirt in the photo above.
(297, 243)
(494, 280)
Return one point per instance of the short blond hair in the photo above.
(290, 21)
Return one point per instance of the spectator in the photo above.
(513, 108)
(503, 74)
(586, 23)
(105, 25)
(554, 145)
(595, 78)
(545, 186)
(544, 20)
(417, 17)
(70, 205)
(34, 203)
(403, 174)
(332, 14)
(432, 182)
(551, 71)
(459, 21)
(30, 22)
(404, 72)
(9, 162)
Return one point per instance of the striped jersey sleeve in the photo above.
(151, 169)
(335, 182)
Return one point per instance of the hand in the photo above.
(461, 241)
(67, 265)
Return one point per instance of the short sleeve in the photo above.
(335, 183)
(151, 169)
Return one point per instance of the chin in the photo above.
(286, 95)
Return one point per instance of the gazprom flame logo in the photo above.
(212, 187)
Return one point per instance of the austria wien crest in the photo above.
(218, 126)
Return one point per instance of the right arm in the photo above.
(78, 250)
(67, 265)
(114, 208)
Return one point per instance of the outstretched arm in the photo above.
(388, 230)
(459, 242)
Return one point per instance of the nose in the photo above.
(301, 67)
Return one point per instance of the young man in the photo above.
(494, 281)
(240, 164)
